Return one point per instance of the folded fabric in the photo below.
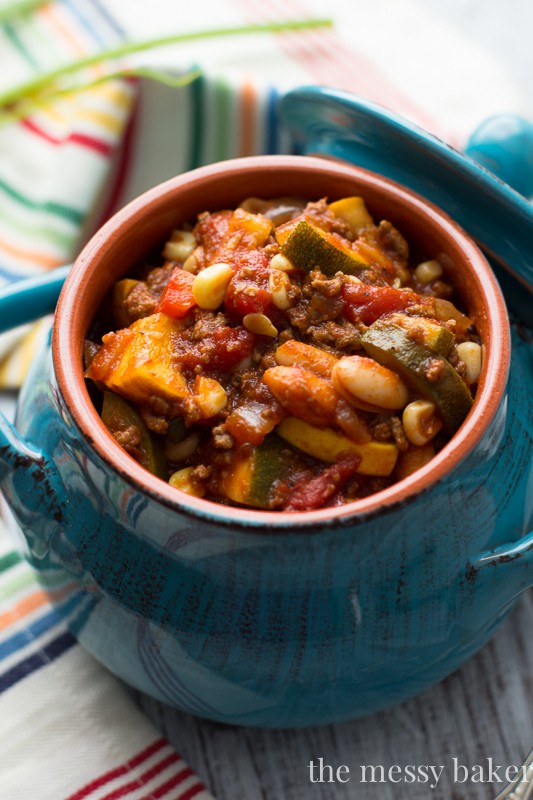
(53, 164)
(67, 726)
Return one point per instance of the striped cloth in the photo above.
(67, 728)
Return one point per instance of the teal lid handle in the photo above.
(503, 144)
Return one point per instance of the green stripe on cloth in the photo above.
(50, 206)
(15, 39)
(43, 232)
(9, 560)
(26, 578)
(20, 580)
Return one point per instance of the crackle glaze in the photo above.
(274, 619)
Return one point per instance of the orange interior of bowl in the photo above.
(134, 232)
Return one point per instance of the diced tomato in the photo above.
(211, 231)
(367, 303)
(177, 298)
(109, 355)
(315, 492)
(231, 345)
(248, 291)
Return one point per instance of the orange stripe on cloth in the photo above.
(51, 15)
(248, 101)
(32, 602)
(26, 606)
(50, 262)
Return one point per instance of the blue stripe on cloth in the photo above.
(84, 22)
(49, 653)
(109, 18)
(11, 275)
(29, 634)
(35, 629)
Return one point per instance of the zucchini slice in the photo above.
(253, 477)
(309, 247)
(325, 444)
(437, 337)
(426, 371)
(118, 416)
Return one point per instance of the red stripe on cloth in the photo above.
(118, 771)
(162, 790)
(192, 792)
(142, 779)
(89, 142)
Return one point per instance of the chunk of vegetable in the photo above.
(121, 420)
(252, 479)
(354, 212)
(178, 299)
(377, 458)
(367, 303)
(426, 371)
(437, 337)
(120, 292)
(139, 362)
(308, 247)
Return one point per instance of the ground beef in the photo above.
(158, 278)
(140, 302)
(341, 335)
(130, 438)
(222, 440)
(387, 238)
(326, 219)
(400, 439)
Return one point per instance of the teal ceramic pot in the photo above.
(274, 619)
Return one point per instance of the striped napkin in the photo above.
(67, 728)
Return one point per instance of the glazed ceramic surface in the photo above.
(274, 620)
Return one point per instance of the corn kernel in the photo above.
(428, 271)
(210, 396)
(192, 263)
(420, 422)
(470, 354)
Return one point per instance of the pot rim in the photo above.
(68, 361)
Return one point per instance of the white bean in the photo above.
(209, 286)
(367, 381)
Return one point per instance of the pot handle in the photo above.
(29, 299)
(503, 144)
(509, 567)
(29, 479)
